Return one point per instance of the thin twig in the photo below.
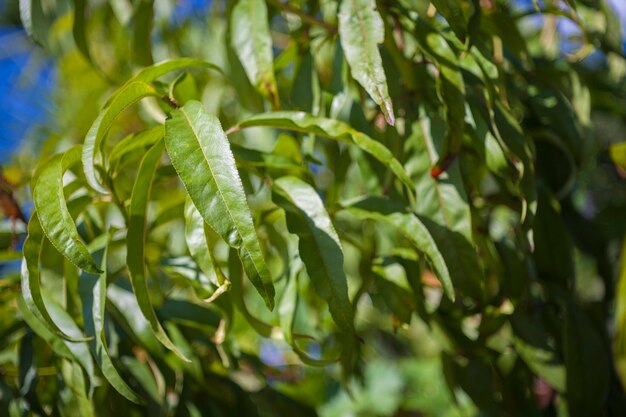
(309, 19)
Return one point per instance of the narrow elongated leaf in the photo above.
(151, 73)
(202, 157)
(31, 285)
(250, 36)
(287, 312)
(213, 279)
(56, 343)
(332, 129)
(411, 227)
(142, 33)
(33, 19)
(74, 398)
(136, 241)
(451, 89)
(92, 290)
(452, 11)
(54, 216)
(361, 30)
(128, 95)
(443, 207)
(319, 245)
(79, 28)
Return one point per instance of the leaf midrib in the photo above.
(243, 240)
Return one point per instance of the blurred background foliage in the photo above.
(562, 73)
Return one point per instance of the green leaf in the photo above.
(287, 310)
(452, 11)
(587, 358)
(361, 30)
(250, 36)
(79, 28)
(451, 89)
(132, 143)
(442, 205)
(33, 19)
(127, 95)
(92, 290)
(319, 245)
(195, 235)
(531, 342)
(31, 285)
(136, 242)
(56, 221)
(74, 398)
(332, 129)
(201, 154)
(410, 226)
(142, 33)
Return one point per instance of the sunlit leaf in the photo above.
(202, 157)
(361, 30)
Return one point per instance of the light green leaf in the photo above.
(127, 95)
(92, 290)
(195, 235)
(332, 129)
(319, 245)
(56, 221)
(410, 226)
(136, 241)
(74, 398)
(250, 36)
(361, 30)
(202, 157)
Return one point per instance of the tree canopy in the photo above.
(320, 207)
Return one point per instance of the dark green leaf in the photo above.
(319, 245)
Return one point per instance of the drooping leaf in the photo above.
(127, 95)
(142, 33)
(332, 129)
(56, 221)
(250, 36)
(451, 89)
(361, 30)
(79, 28)
(452, 11)
(442, 205)
(319, 245)
(212, 278)
(287, 312)
(201, 154)
(410, 226)
(136, 241)
(92, 290)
